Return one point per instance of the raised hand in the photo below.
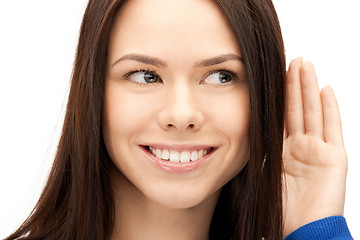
(315, 161)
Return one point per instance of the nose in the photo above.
(181, 111)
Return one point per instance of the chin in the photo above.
(181, 198)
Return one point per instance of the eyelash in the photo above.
(233, 75)
(140, 70)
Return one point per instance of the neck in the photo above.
(138, 217)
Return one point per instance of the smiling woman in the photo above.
(173, 97)
(174, 129)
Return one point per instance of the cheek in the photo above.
(125, 116)
(230, 118)
(230, 114)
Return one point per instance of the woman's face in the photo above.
(176, 111)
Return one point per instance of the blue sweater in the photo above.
(334, 228)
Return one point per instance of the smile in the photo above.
(179, 156)
(178, 159)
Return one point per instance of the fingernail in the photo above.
(327, 90)
(308, 62)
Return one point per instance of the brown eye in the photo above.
(220, 77)
(224, 77)
(144, 77)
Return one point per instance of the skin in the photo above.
(314, 155)
(188, 105)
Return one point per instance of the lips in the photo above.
(178, 159)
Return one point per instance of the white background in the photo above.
(37, 47)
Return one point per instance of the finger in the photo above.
(313, 115)
(332, 120)
(286, 134)
(294, 120)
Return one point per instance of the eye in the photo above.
(219, 77)
(143, 76)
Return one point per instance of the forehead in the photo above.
(172, 27)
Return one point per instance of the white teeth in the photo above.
(165, 154)
(152, 151)
(201, 153)
(185, 157)
(194, 156)
(158, 153)
(174, 156)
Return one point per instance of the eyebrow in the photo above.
(218, 59)
(159, 63)
(141, 58)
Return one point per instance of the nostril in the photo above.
(189, 126)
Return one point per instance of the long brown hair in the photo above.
(77, 201)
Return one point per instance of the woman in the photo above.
(175, 130)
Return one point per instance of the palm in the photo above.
(315, 162)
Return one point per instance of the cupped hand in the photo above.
(315, 161)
